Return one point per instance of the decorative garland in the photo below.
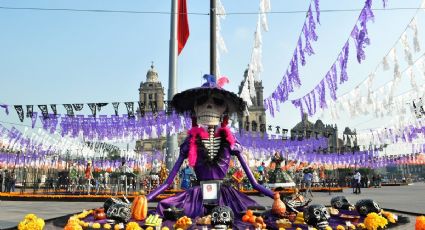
(291, 77)
(359, 34)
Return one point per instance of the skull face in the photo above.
(317, 216)
(209, 109)
(222, 217)
(367, 206)
(120, 212)
(340, 202)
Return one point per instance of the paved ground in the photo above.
(405, 198)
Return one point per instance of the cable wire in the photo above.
(200, 13)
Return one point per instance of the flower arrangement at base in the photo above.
(390, 217)
(420, 223)
(328, 228)
(73, 224)
(107, 226)
(340, 227)
(361, 226)
(31, 222)
(133, 226)
(373, 221)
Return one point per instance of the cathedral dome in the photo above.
(152, 75)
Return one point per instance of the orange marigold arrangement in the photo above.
(390, 217)
(420, 223)
(374, 221)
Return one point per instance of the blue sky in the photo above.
(56, 57)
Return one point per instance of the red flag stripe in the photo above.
(182, 25)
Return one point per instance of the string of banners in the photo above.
(291, 78)
(133, 108)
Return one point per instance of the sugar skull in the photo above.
(222, 217)
(340, 202)
(317, 216)
(367, 206)
(117, 210)
(209, 109)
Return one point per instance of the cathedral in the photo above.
(151, 94)
(255, 121)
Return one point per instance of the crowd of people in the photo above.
(7, 181)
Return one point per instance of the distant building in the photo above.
(151, 94)
(306, 129)
(256, 119)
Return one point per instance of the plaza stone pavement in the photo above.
(404, 198)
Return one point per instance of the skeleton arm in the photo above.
(251, 178)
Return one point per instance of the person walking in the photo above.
(357, 181)
(308, 177)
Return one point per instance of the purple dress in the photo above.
(191, 199)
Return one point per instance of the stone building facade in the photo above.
(307, 129)
(151, 94)
(255, 121)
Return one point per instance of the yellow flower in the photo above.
(31, 222)
(361, 226)
(389, 216)
(40, 223)
(133, 226)
(420, 223)
(328, 228)
(374, 221)
(281, 228)
(30, 217)
(298, 229)
(107, 226)
(96, 226)
(117, 227)
(352, 227)
(340, 227)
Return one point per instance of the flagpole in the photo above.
(172, 79)
(213, 36)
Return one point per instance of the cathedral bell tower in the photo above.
(256, 120)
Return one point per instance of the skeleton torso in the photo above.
(212, 144)
(213, 154)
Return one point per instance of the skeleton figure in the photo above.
(208, 149)
(317, 216)
(222, 217)
(367, 206)
(340, 202)
(209, 111)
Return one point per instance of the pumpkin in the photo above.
(99, 214)
(139, 208)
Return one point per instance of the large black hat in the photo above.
(185, 101)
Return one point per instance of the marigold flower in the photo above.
(420, 223)
(133, 226)
(373, 221)
(340, 227)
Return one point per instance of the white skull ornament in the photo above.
(209, 109)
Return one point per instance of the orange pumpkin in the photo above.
(139, 208)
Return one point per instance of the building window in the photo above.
(254, 126)
(150, 96)
(150, 85)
